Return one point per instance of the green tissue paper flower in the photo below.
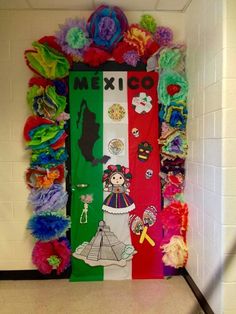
(148, 23)
(168, 78)
(169, 59)
(76, 38)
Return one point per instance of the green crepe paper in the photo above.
(50, 91)
(47, 62)
(168, 78)
(169, 59)
(54, 261)
(44, 133)
(58, 100)
(34, 91)
(148, 23)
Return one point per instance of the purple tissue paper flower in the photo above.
(163, 36)
(52, 199)
(131, 57)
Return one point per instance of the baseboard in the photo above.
(31, 275)
(198, 294)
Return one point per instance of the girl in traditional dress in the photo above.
(116, 178)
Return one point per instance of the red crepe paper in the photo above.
(95, 56)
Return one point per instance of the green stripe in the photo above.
(83, 172)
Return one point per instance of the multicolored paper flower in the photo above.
(174, 145)
(45, 102)
(140, 40)
(163, 36)
(175, 252)
(172, 87)
(106, 26)
(44, 178)
(40, 133)
(175, 113)
(73, 38)
(47, 256)
(52, 199)
(48, 158)
(47, 226)
(46, 60)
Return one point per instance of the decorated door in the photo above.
(116, 193)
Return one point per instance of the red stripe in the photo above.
(147, 262)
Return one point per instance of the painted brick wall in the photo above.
(211, 175)
(228, 157)
(17, 30)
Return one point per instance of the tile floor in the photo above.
(167, 296)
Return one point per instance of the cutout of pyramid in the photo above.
(104, 249)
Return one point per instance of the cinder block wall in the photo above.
(17, 30)
(211, 166)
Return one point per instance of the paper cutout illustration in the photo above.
(104, 249)
(116, 178)
(116, 146)
(135, 132)
(142, 103)
(90, 133)
(116, 112)
(144, 151)
(140, 227)
(86, 199)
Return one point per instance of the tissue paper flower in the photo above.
(47, 226)
(47, 256)
(148, 23)
(48, 158)
(163, 36)
(47, 60)
(175, 252)
(172, 87)
(73, 38)
(51, 199)
(106, 26)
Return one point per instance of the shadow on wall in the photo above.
(215, 281)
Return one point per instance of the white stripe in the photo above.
(111, 130)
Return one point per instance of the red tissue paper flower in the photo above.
(175, 216)
(51, 255)
(94, 56)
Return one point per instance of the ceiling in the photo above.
(129, 5)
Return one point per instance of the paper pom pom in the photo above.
(106, 26)
(52, 199)
(44, 178)
(169, 59)
(148, 23)
(175, 252)
(163, 36)
(95, 56)
(47, 256)
(168, 78)
(131, 57)
(46, 61)
(48, 226)
(73, 38)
